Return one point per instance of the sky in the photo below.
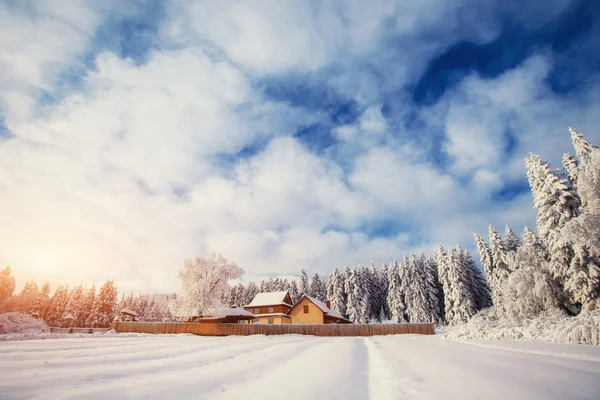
(282, 134)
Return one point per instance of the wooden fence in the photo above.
(78, 330)
(260, 329)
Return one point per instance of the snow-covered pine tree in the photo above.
(417, 305)
(384, 311)
(362, 289)
(107, 297)
(571, 165)
(87, 306)
(356, 305)
(588, 174)
(294, 292)
(263, 287)
(58, 304)
(344, 277)
(317, 288)
(374, 293)
(336, 292)
(500, 267)
(459, 303)
(434, 289)
(351, 300)
(479, 287)
(395, 297)
(74, 304)
(304, 284)
(555, 201)
(250, 292)
(512, 242)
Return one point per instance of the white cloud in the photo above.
(132, 173)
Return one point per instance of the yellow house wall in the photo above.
(276, 320)
(314, 316)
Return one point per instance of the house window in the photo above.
(257, 311)
(306, 309)
(270, 321)
(270, 309)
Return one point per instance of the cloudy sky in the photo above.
(282, 134)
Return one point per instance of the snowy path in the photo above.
(296, 367)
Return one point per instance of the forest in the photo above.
(553, 271)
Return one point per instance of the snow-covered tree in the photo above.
(304, 284)
(588, 173)
(500, 267)
(250, 293)
(87, 306)
(458, 297)
(104, 311)
(74, 304)
(395, 297)
(294, 292)
(511, 241)
(317, 288)
(434, 288)
(356, 305)
(478, 286)
(58, 304)
(335, 292)
(7, 284)
(384, 312)
(416, 296)
(554, 199)
(204, 280)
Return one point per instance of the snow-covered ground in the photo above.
(296, 367)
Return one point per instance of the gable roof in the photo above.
(270, 299)
(232, 312)
(323, 307)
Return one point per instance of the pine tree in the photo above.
(251, 292)
(554, 199)
(87, 307)
(459, 299)
(294, 292)
(336, 292)
(304, 285)
(74, 304)
(395, 297)
(511, 241)
(478, 286)
(417, 305)
(571, 165)
(384, 312)
(588, 173)
(434, 290)
(500, 266)
(58, 304)
(374, 313)
(7, 284)
(356, 305)
(317, 288)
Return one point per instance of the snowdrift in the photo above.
(582, 329)
(15, 322)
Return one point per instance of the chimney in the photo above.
(328, 303)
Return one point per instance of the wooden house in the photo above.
(128, 315)
(271, 308)
(309, 310)
(233, 315)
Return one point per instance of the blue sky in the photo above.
(284, 135)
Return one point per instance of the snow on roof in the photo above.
(234, 311)
(269, 299)
(324, 307)
(128, 311)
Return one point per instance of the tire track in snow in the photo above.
(389, 379)
(189, 374)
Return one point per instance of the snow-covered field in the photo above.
(296, 367)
